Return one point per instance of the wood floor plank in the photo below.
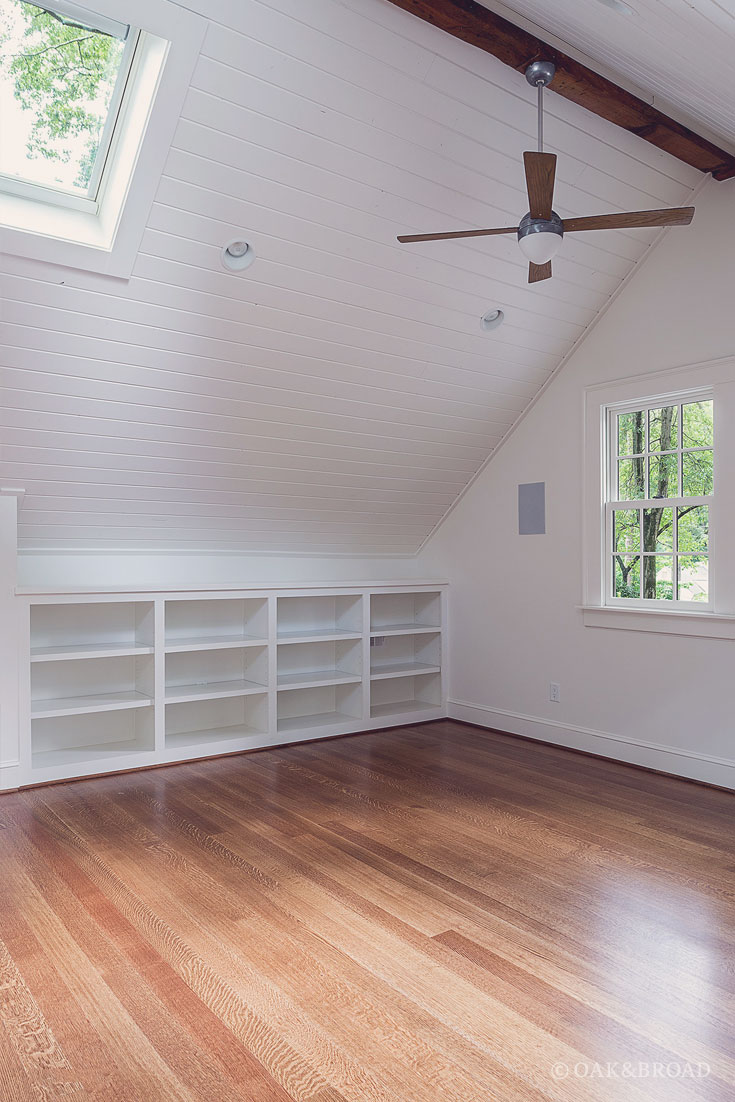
(432, 912)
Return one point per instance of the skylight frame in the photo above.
(107, 242)
(59, 196)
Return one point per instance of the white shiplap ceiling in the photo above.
(340, 394)
(677, 54)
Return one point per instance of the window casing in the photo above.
(658, 493)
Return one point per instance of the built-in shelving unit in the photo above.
(119, 680)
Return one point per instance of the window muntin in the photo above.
(63, 76)
(660, 489)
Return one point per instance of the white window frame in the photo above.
(106, 240)
(612, 412)
(717, 376)
(24, 187)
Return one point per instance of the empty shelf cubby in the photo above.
(227, 723)
(323, 706)
(301, 665)
(404, 655)
(393, 613)
(206, 674)
(319, 618)
(68, 631)
(216, 623)
(73, 740)
(61, 688)
(398, 695)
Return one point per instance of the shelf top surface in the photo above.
(398, 669)
(317, 677)
(146, 592)
(406, 629)
(92, 702)
(400, 707)
(92, 650)
(212, 735)
(214, 642)
(320, 719)
(324, 635)
(213, 689)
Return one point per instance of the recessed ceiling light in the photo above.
(491, 319)
(619, 5)
(237, 255)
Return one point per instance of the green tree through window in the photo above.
(663, 471)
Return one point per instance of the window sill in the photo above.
(712, 625)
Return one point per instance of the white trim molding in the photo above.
(711, 625)
(650, 755)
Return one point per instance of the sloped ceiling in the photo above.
(678, 53)
(340, 394)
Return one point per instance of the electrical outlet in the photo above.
(555, 692)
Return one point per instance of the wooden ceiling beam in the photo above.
(473, 23)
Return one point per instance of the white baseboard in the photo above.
(9, 776)
(668, 759)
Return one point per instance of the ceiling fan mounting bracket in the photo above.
(540, 73)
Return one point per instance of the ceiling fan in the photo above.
(541, 230)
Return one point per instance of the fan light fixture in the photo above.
(540, 238)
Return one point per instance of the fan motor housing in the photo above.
(540, 225)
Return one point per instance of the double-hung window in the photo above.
(659, 493)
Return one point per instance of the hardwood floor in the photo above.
(424, 914)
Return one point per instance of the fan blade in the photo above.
(540, 174)
(537, 272)
(637, 219)
(457, 233)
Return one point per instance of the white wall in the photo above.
(44, 569)
(654, 699)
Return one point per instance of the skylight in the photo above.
(63, 73)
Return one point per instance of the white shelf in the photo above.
(87, 650)
(217, 642)
(215, 690)
(322, 719)
(314, 679)
(401, 707)
(186, 740)
(78, 755)
(123, 678)
(402, 669)
(323, 635)
(405, 629)
(79, 705)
